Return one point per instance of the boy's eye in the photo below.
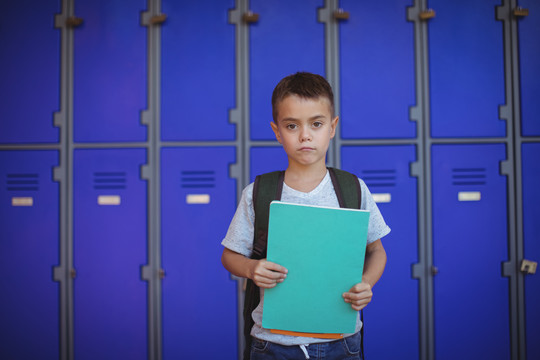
(291, 126)
(317, 124)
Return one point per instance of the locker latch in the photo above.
(250, 17)
(427, 14)
(341, 14)
(521, 12)
(158, 19)
(528, 266)
(161, 274)
(73, 22)
(73, 273)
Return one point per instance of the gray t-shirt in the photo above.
(239, 239)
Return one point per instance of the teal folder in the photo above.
(323, 250)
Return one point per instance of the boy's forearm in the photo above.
(374, 263)
(237, 264)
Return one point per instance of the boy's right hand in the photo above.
(267, 274)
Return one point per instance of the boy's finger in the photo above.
(275, 267)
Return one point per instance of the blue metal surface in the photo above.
(198, 72)
(466, 69)
(529, 62)
(29, 249)
(470, 241)
(377, 70)
(531, 246)
(110, 320)
(109, 86)
(267, 159)
(286, 39)
(391, 319)
(199, 296)
(29, 68)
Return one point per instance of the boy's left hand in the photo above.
(359, 296)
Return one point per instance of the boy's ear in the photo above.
(333, 126)
(276, 131)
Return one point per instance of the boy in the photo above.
(304, 123)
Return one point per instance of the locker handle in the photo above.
(74, 21)
(158, 19)
(528, 266)
(434, 270)
(161, 274)
(521, 12)
(341, 14)
(427, 14)
(250, 17)
(73, 273)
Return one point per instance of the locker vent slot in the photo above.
(22, 182)
(109, 180)
(379, 178)
(198, 179)
(469, 176)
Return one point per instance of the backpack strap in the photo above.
(347, 188)
(267, 187)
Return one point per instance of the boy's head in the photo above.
(304, 85)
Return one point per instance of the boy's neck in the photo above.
(305, 178)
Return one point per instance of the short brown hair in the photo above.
(302, 84)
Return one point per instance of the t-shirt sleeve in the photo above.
(377, 227)
(239, 237)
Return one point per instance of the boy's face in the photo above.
(304, 127)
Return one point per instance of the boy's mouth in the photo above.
(306, 148)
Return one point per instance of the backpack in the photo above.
(266, 188)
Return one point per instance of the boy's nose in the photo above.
(305, 135)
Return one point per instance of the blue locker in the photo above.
(470, 241)
(377, 70)
(29, 248)
(199, 296)
(109, 224)
(531, 229)
(392, 317)
(29, 67)
(286, 39)
(198, 71)
(109, 90)
(529, 62)
(267, 159)
(466, 69)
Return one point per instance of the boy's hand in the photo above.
(359, 296)
(267, 274)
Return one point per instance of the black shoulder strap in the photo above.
(347, 188)
(267, 187)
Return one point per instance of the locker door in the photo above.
(466, 69)
(391, 329)
(267, 159)
(109, 249)
(109, 90)
(199, 296)
(377, 68)
(470, 240)
(531, 231)
(529, 59)
(29, 247)
(29, 69)
(286, 39)
(198, 67)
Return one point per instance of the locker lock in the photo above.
(250, 17)
(427, 14)
(73, 22)
(434, 270)
(528, 266)
(341, 14)
(520, 12)
(73, 273)
(161, 274)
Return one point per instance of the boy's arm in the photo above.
(264, 273)
(360, 294)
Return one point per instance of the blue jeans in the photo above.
(347, 348)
